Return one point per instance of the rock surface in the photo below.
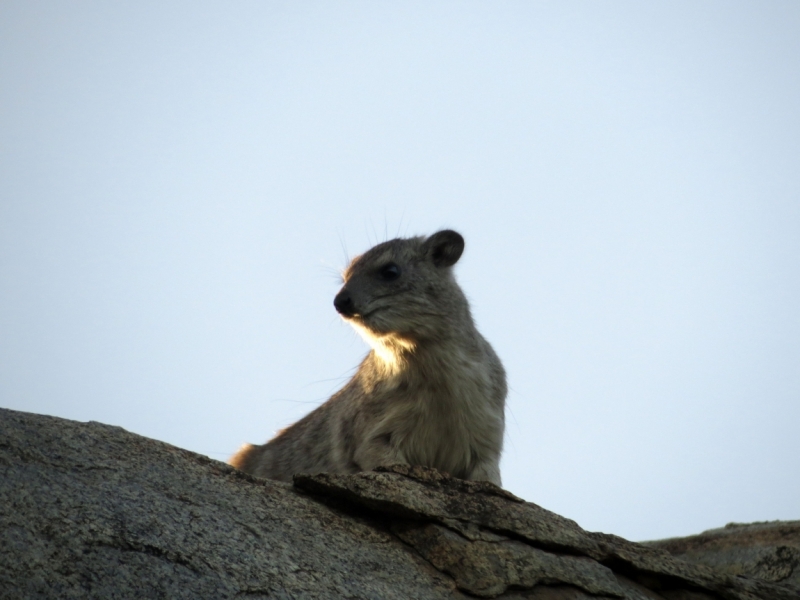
(769, 551)
(92, 511)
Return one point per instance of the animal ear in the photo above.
(444, 248)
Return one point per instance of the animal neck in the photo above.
(395, 352)
(391, 351)
(430, 359)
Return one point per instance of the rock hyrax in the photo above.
(431, 391)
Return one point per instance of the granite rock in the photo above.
(768, 550)
(93, 511)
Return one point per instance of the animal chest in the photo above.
(445, 418)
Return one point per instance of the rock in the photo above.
(769, 551)
(92, 511)
(478, 509)
(487, 568)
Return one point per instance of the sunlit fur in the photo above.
(430, 392)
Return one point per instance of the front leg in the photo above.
(487, 470)
(378, 451)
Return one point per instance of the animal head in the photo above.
(402, 292)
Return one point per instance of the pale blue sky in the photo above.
(179, 180)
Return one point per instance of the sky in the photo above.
(181, 184)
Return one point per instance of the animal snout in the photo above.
(344, 304)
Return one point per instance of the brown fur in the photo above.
(431, 391)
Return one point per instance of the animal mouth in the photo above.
(365, 315)
(366, 321)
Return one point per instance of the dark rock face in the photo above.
(92, 511)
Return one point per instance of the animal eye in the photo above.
(389, 272)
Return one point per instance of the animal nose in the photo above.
(344, 304)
